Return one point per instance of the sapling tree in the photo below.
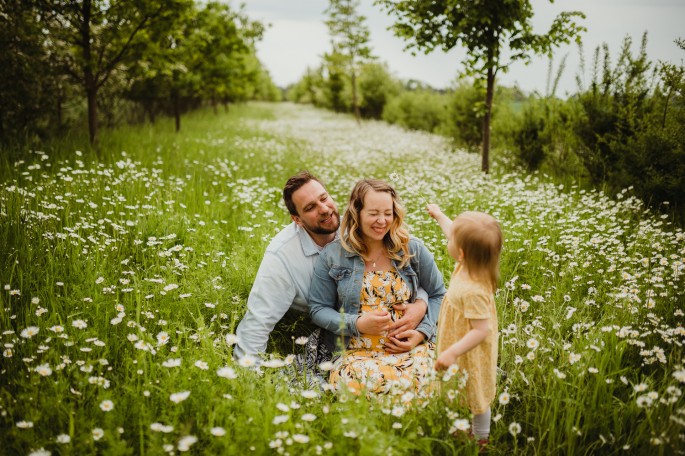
(495, 34)
(350, 40)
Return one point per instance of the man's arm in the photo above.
(271, 296)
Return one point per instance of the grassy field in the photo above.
(123, 276)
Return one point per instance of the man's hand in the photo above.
(413, 314)
(404, 341)
(445, 360)
(375, 322)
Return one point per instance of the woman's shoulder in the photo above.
(332, 248)
(416, 243)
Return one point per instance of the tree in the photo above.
(350, 38)
(92, 38)
(377, 87)
(495, 34)
(31, 90)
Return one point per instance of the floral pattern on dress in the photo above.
(366, 365)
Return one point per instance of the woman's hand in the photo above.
(404, 341)
(413, 314)
(374, 323)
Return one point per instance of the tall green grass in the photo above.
(133, 267)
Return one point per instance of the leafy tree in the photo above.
(309, 89)
(225, 45)
(465, 109)
(31, 89)
(92, 38)
(491, 31)
(376, 87)
(350, 38)
(335, 81)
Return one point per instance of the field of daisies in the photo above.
(124, 277)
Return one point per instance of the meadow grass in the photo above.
(122, 276)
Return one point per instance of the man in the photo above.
(284, 276)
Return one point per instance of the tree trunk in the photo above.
(357, 115)
(91, 94)
(89, 78)
(151, 112)
(177, 113)
(485, 166)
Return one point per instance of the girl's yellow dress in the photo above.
(466, 300)
(366, 365)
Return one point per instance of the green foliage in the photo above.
(108, 58)
(464, 119)
(309, 89)
(32, 90)
(350, 41)
(417, 110)
(530, 140)
(630, 129)
(488, 31)
(376, 87)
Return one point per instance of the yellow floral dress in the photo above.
(366, 365)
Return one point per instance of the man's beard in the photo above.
(316, 229)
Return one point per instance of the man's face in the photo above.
(316, 210)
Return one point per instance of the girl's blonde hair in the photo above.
(479, 236)
(396, 239)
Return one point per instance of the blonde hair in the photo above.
(479, 236)
(396, 240)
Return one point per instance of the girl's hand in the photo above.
(375, 322)
(434, 211)
(404, 341)
(445, 360)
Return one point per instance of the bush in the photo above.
(464, 121)
(376, 87)
(530, 140)
(630, 129)
(417, 110)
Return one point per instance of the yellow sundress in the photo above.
(366, 365)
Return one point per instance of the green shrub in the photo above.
(417, 110)
(376, 87)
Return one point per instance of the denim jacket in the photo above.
(336, 288)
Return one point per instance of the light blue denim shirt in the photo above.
(282, 283)
(336, 289)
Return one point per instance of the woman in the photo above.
(358, 278)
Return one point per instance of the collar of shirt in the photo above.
(309, 247)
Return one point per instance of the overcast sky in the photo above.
(297, 38)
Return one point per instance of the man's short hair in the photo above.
(294, 184)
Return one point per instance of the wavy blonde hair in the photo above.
(479, 236)
(396, 240)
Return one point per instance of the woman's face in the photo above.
(376, 215)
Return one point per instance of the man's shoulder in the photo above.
(285, 238)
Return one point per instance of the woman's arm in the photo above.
(324, 308)
(479, 331)
(430, 279)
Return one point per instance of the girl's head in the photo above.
(476, 241)
(374, 214)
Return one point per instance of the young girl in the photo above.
(467, 325)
